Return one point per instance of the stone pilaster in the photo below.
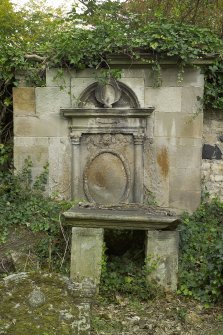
(75, 174)
(138, 190)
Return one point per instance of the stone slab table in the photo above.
(88, 222)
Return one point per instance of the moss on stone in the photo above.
(54, 316)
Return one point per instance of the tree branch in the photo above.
(35, 57)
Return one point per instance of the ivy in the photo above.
(213, 94)
(41, 37)
(201, 259)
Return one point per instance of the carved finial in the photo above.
(108, 93)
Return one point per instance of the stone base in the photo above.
(162, 246)
(86, 253)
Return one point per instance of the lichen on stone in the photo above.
(41, 304)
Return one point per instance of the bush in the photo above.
(127, 275)
(24, 204)
(201, 259)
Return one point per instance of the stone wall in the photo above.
(212, 162)
(172, 149)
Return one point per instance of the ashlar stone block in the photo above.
(34, 148)
(164, 99)
(78, 85)
(185, 179)
(86, 253)
(178, 125)
(184, 200)
(192, 100)
(133, 73)
(41, 126)
(54, 77)
(24, 103)
(51, 99)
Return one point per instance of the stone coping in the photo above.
(148, 59)
(121, 217)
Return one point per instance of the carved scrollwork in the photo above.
(101, 141)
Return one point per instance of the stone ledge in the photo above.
(138, 219)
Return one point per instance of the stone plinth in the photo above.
(87, 238)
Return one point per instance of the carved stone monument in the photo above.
(116, 142)
(107, 133)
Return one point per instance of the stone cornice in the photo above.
(106, 112)
(122, 60)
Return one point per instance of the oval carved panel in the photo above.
(106, 178)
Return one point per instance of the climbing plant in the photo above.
(201, 266)
(40, 37)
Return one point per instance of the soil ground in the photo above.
(168, 315)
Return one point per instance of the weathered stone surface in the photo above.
(177, 125)
(173, 121)
(124, 216)
(137, 86)
(185, 179)
(41, 150)
(86, 253)
(133, 73)
(60, 167)
(106, 179)
(192, 100)
(193, 77)
(43, 303)
(184, 199)
(212, 172)
(51, 99)
(212, 169)
(170, 77)
(36, 298)
(34, 148)
(162, 247)
(164, 99)
(41, 126)
(211, 152)
(220, 138)
(24, 101)
(78, 85)
(54, 77)
(156, 184)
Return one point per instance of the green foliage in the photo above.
(214, 86)
(23, 203)
(196, 12)
(129, 35)
(201, 260)
(37, 36)
(128, 277)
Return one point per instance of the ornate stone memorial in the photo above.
(114, 142)
(107, 133)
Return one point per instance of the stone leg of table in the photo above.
(86, 253)
(162, 246)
